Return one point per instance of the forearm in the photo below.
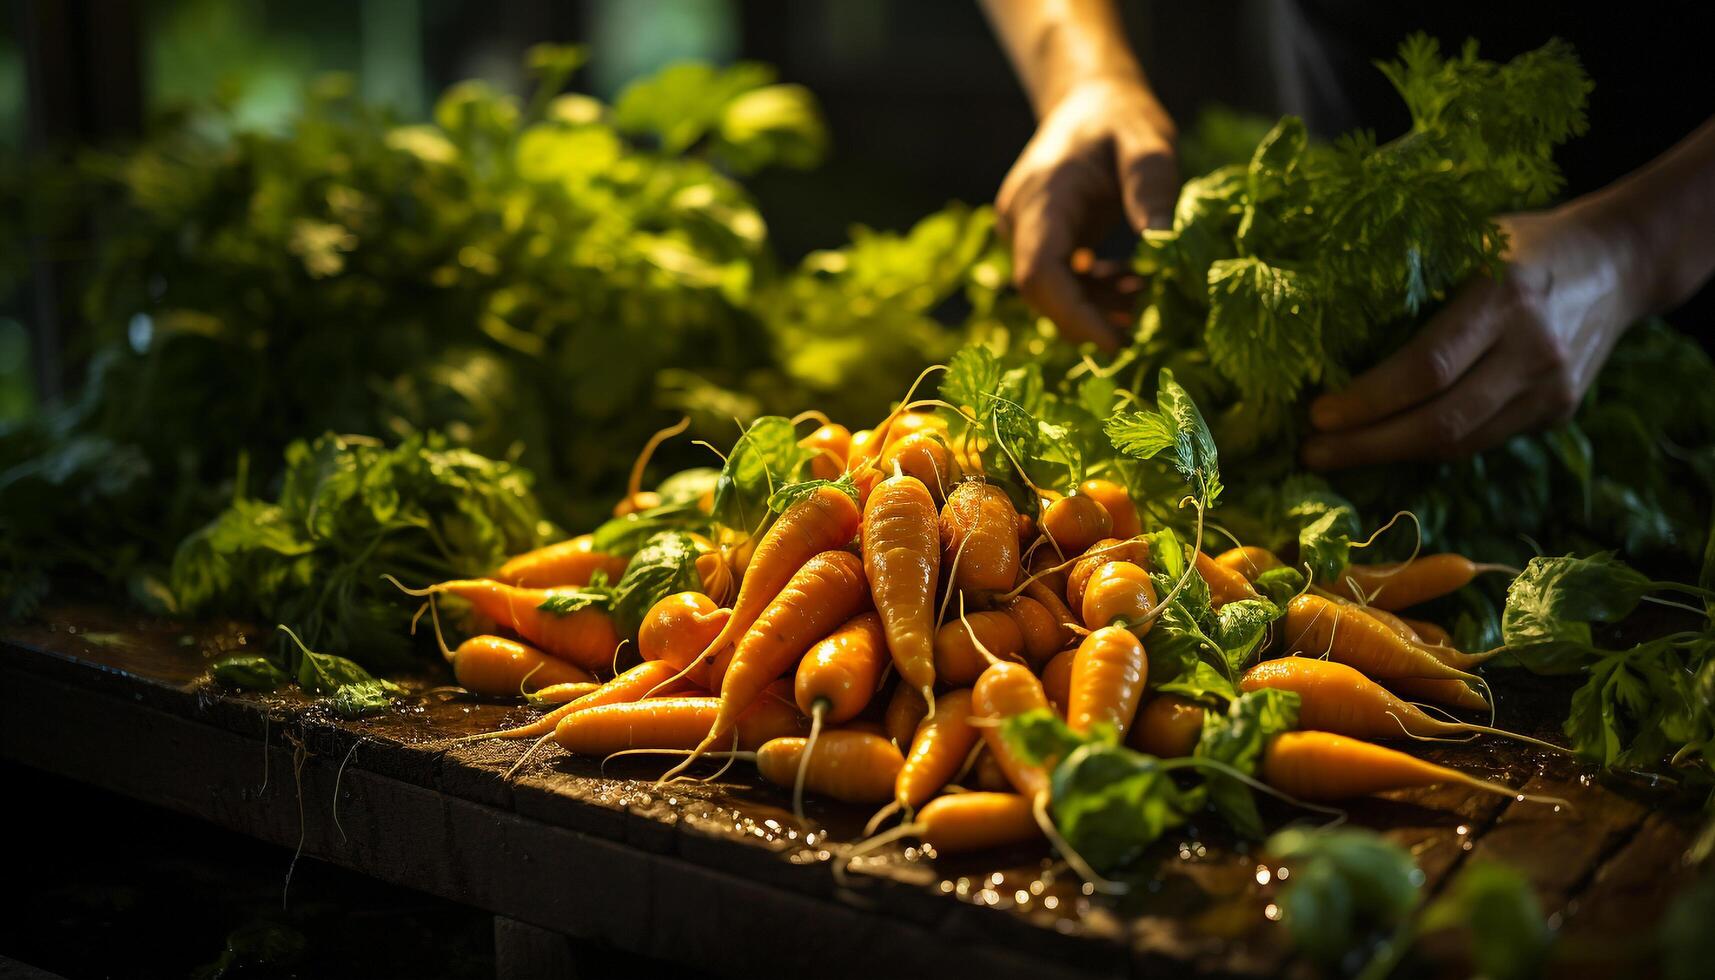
(1056, 44)
(1663, 218)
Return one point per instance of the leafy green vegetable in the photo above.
(350, 511)
(1176, 427)
(1345, 883)
(248, 672)
(1495, 906)
(667, 563)
(1551, 605)
(766, 458)
(786, 496)
(1110, 803)
(1238, 739)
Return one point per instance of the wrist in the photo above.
(1618, 227)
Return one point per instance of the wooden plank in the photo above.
(555, 878)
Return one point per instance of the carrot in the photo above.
(979, 537)
(1108, 673)
(1116, 500)
(838, 676)
(629, 686)
(849, 766)
(1320, 767)
(966, 822)
(677, 628)
(1249, 561)
(902, 559)
(836, 680)
(828, 590)
(1336, 698)
(906, 710)
(1389, 620)
(1047, 568)
(1026, 530)
(1041, 632)
(1168, 727)
(1401, 585)
(1057, 680)
(1317, 626)
(1076, 522)
(671, 723)
(821, 521)
(496, 667)
(903, 425)
(1120, 592)
(959, 661)
(571, 562)
(1429, 632)
(1004, 690)
(562, 693)
(940, 747)
(1070, 628)
(1453, 694)
(714, 570)
(586, 637)
(1225, 584)
(1101, 553)
(925, 456)
(864, 447)
(832, 445)
(987, 773)
(636, 498)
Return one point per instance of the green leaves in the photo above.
(248, 672)
(1177, 428)
(1345, 883)
(1263, 328)
(749, 122)
(786, 496)
(667, 563)
(1238, 739)
(346, 687)
(1110, 803)
(1498, 911)
(766, 458)
(1551, 605)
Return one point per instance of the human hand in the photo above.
(1103, 146)
(1505, 356)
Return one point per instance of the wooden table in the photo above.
(719, 875)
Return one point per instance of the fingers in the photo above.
(1471, 416)
(1149, 186)
(1042, 244)
(1431, 363)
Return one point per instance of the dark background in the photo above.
(922, 105)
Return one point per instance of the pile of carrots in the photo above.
(868, 645)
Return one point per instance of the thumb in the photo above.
(1149, 185)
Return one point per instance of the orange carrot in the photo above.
(964, 822)
(1225, 584)
(1249, 561)
(902, 561)
(671, 723)
(678, 628)
(821, 521)
(1120, 592)
(573, 562)
(1397, 585)
(927, 457)
(1168, 727)
(629, 686)
(864, 447)
(940, 747)
(1101, 553)
(832, 445)
(496, 667)
(838, 676)
(849, 766)
(828, 590)
(1108, 673)
(562, 693)
(958, 660)
(1075, 523)
(1041, 632)
(979, 532)
(1057, 680)
(1336, 698)
(1122, 512)
(1070, 628)
(988, 775)
(586, 637)
(1319, 767)
(1004, 690)
(906, 709)
(1317, 626)
(1046, 569)
(633, 503)
(1450, 693)
(903, 425)
(1429, 632)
